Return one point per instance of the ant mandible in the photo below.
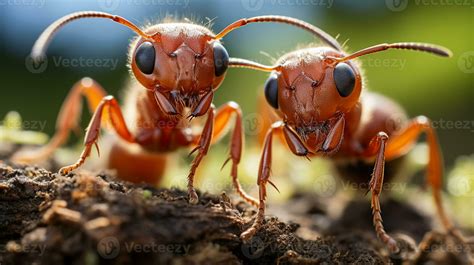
(178, 66)
(322, 109)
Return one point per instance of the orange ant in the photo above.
(179, 66)
(317, 94)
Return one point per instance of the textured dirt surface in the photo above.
(87, 219)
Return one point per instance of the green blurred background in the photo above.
(439, 88)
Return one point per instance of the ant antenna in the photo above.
(45, 38)
(243, 63)
(424, 47)
(282, 19)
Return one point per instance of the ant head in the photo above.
(181, 63)
(310, 87)
(180, 58)
(185, 63)
(312, 90)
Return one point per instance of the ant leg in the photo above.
(202, 148)
(263, 177)
(399, 144)
(296, 146)
(378, 145)
(68, 119)
(223, 116)
(107, 107)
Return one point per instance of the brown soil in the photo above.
(95, 219)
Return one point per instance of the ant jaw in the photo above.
(324, 136)
(203, 105)
(173, 104)
(333, 140)
(164, 104)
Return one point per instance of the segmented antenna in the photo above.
(45, 38)
(424, 47)
(286, 20)
(243, 63)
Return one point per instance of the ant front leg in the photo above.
(296, 146)
(377, 145)
(213, 130)
(107, 107)
(222, 119)
(202, 148)
(68, 119)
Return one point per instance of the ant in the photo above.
(322, 110)
(179, 66)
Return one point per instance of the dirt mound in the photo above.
(94, 219)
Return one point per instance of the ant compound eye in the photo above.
(344, 77)
(271, 90)
(145, 58)
(221, 59)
